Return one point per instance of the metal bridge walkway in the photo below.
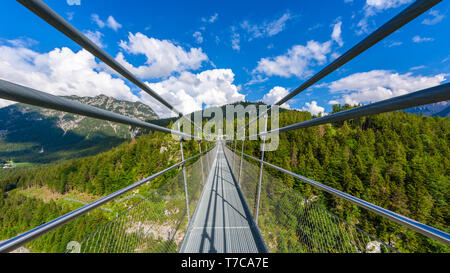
(222, 222)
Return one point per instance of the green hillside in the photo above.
(38, 135)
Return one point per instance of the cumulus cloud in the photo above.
(299, 60)
(63, 72)
(188, 92)
(110, 22)
(266, 29)
(163, 57)
(73, 2)
(379, 85)
(59, 72)
(296, 61)
(418, 39)
(276, 94)
(337, 34)
(436, 18)
(313, 108)
(373, 7)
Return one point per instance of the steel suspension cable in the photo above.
(50, 16)
(401, 19)
(422, 97)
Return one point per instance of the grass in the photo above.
(46, 195)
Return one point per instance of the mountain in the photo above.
(441, 109)
(39, 135)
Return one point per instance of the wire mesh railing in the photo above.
(155, 224)
(290, 222)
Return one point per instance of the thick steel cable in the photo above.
(422, 97)
(19, 93)
(50, 16)
(401, 19)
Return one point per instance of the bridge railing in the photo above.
(156, 223)
(141, 202)
(291, 222)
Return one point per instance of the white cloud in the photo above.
(60, 72)
(70, 15)
(316, 26)
(337, 34)
(437, 17)
(379, 85)
(276, 94)
(73, 2)
(212, 19)
(313, 108)
(97, 20)
(96, 37)
(189, 91)
(299, 60)
(198, 37)
(334, 56)
(256, 78)
(235, 39)
(373, 7)
(266, 29)
(64, 72)
(163, 57)
(21, 42)
(418, 39)
(296, 61)
(394, 43)
(278, 25)
(110, 22)
(417, 67)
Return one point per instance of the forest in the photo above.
(397, 160)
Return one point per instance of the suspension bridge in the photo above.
(222, 199)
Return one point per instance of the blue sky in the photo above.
(204, 53)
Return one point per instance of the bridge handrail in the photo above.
(426, 230)
(37, 232)
(19, 93)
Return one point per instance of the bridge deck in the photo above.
(222, 222)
